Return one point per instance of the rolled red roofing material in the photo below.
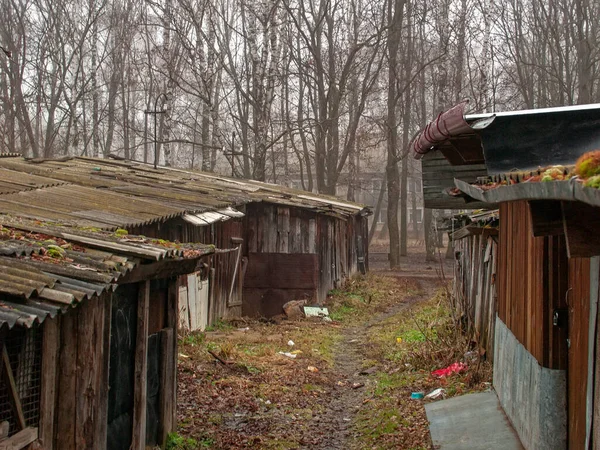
(447, 124)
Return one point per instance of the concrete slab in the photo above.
(473, 421)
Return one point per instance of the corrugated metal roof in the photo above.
(47, 269)
(133, 194)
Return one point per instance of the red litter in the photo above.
(456, 367)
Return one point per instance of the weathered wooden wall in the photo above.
(76, 388)
(578, 300)
(474, 290)
(224, 302)
(287, 230)
(439, 174)
(532, 283)
(280, 229)
(109, 374)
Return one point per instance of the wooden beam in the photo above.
(12, 388)
(141, 369)
(161, 269)
(546, 217)
(580, 222)
(20, 440)
(50, 345)
(167, 394)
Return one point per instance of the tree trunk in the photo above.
(395, 15)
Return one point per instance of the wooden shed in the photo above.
(259, 228)
(545, 354)
(88, 335)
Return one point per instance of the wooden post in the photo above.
(67, 382)
(103, 323)
(141, 369)
(167, 395)
(50, 344)
(172, 309)
(88, 366)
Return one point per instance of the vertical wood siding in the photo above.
(474, 291)
(532, 283)
(579, 317)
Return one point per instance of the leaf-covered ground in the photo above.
(347, 385)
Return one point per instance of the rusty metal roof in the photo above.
(106, 194)
(45, 269)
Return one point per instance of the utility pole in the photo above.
(155, 113)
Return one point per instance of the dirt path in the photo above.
(341, 385)
(350, 354)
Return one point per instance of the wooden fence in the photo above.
(474, 290)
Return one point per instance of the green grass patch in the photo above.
(219, 325)
(193, 339)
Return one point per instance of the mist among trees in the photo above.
(279, 89)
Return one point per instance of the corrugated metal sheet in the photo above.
(212, 216)
(106, 194)
(49, 269)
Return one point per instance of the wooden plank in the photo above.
(141, 369)
(172, 322)
(579, 309)
(192, 297)
(167, 394)
(283, 229)
(13, 393)
(20, 440)
(280, 270)
(596, 387)
(89, 359)
(50, 345)
(312, 236)
(67, 382)
(103, 324)
(184, 312)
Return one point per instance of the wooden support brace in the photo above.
(12, 391)
(20, 440)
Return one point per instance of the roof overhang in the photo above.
(556, 207)
(496, 143)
